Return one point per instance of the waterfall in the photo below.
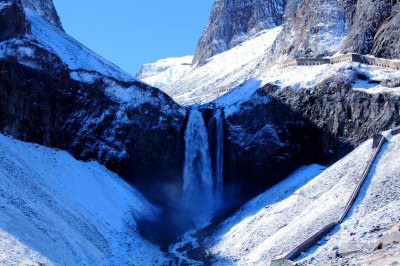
(198, 185)
(219, 154)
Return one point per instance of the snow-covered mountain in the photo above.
(76, 100)
(274, 222)
(165, 71)
(246, 68)
(56, 210)
(234, 21)
(45, 9)
(223, 71)
(311, 28)
(256, 124)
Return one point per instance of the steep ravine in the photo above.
(142, 138)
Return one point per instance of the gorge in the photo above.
(231, 161)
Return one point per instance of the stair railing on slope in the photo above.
(309, 242)
(363, 178)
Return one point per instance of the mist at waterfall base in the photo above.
(202, 183)
(195, 198)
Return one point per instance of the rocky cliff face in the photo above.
(45, 8)
(387, 38)
(350, 116)
(261, 147)
(13, 23)
(130, 127)
(364, 20)
(323, 28)
(315, 29)
(280, 128)
(233, 21)
(311, 28)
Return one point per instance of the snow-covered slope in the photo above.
(234, 21)
(248, 66)
(165, 71)
(363, 77)
(57, 210)
(373, 221)
(234, 82)
(223, 71)
(284, 216)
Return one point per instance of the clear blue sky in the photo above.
(130, 33)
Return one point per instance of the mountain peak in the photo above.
(45, 9)
(234, 21)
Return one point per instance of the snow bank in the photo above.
(226, 70)
(165, 71)
(275, 222)
(57, 210)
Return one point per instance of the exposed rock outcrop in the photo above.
(279, 129)
(323, 28)
(265, 141)
(387, 39)
(12, 22)
(45, 9)
(364, 20)
(233, 21)
(350, 116)
(315, 29)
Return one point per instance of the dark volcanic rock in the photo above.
(280, 129)
(12, 22)
(233, 21)
(265, 141)
(350, 116)
(49, 108)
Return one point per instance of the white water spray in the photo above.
(198, 185)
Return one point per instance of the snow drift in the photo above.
(165, 71)
(57, 210)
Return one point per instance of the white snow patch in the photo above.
(223, 71)
(284, 216)
(165, 71)
(375, 213)
(57, 210)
